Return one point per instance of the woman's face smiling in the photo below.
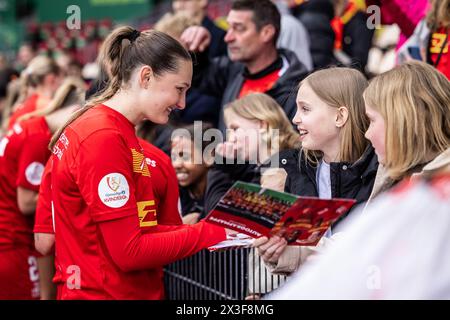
(165, 93)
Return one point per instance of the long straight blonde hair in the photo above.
(342, 87)
(414, 101)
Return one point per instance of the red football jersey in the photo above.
(29, 105)
(100, 174)
(165, 191)
(23, 154)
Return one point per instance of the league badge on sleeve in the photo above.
(113, 190)
(34, 172)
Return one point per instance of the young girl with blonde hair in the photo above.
(335, 161)
(409, 112)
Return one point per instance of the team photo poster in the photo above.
(255, 211)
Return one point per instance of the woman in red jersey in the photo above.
(23, 153)
(166, 200)
(39, 82)
(109, 243)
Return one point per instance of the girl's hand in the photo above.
(271, 249)
(191, 218)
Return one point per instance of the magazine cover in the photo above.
(255, 211)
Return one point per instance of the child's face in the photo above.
(316, 122)
(376, 132)
(243, 135)
(189, 172)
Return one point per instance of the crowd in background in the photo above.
(361, 112)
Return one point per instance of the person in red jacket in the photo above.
(109, 242)
(23, 154)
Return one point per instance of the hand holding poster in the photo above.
(257, 212)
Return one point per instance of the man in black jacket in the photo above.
(253, 63)
(316, 16)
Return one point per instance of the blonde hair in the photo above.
(261, 107)
(71, 92)
(342, 87)
(31, 77)
(414, 100)
(37, 69)
(439, 14)
(174, 24)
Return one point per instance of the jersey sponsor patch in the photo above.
(147, 213)
(139, 163)
(150, 162)
(113, 190)
(34, 172)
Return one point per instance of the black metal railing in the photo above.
(225, 275)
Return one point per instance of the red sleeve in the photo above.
(104, 175)
(32, 160)
(170, 214)
(43, 221)
(132, 250)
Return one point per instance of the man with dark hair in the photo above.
(253, 63)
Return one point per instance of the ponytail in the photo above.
(124, 50)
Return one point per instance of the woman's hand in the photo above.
(271, 249)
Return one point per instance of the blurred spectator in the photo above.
(353, 38)
(383, 54)
(199, 106)
(26, 53)
(438, 20)
(293, 35)
(316, 16)
(405, 13)
(197, 10)
(67, 64)
(253, 63)
(3, 62)
(191, 165)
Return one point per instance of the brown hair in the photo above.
(338, 87)
(124, 50)
(414, 101)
